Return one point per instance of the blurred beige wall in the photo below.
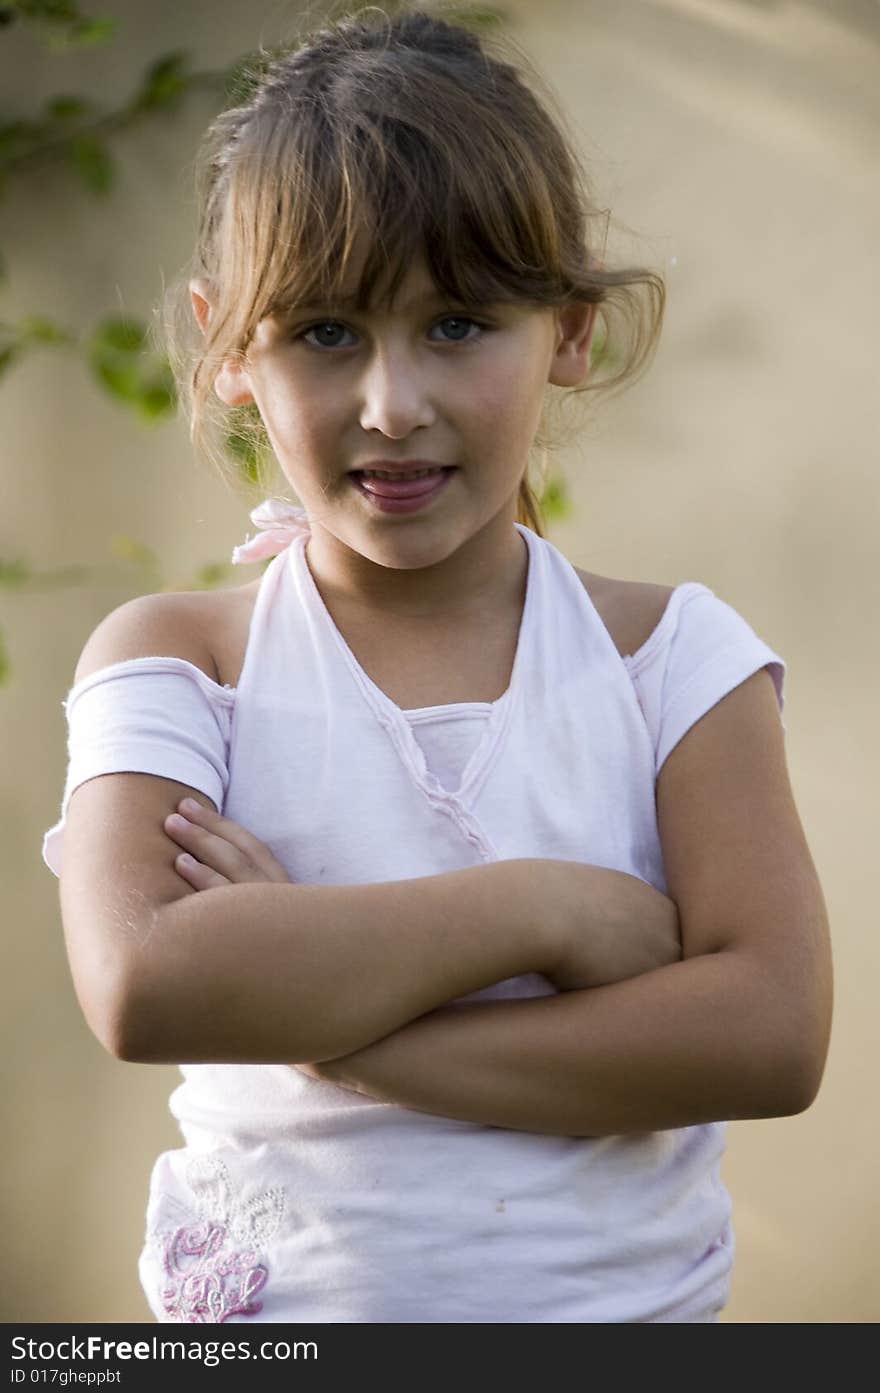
(739, 141)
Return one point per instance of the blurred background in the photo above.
(736, 144)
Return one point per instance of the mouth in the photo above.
(401, 491)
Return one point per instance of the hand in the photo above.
(614, 926)
(342, 1071)
(217, 851)
(329, 1070)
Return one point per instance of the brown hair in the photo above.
(412, 124)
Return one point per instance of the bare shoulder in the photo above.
(188, 624)
(629, 609)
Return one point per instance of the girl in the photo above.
(469, 885)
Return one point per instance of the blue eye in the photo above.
(335, 328)
(460, 319)
(332, 324)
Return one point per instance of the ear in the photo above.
(231, 383)
(202, 294)
(570, 364)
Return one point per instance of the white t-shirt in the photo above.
(293, 1199)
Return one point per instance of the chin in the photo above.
(405, 550)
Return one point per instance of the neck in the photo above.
(486, 571)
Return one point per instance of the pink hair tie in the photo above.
(279, 523)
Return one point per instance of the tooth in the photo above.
(410, 474)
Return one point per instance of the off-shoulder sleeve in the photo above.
(150, 716)
(701, 649)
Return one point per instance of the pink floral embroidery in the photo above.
(279, 522)
(208, 1283)
(211, 1261)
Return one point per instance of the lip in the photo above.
(399, 466)
(410, 503)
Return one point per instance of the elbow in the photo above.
(806, 1056)
(121, 977)
(787, 1037)
(114, 1032)
(771, 1077)
(795, 1077)
(121, 1022)
(802, 1084)
(792, 1094)
(133, 1031)
(109, 1021)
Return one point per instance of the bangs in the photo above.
(352, 187)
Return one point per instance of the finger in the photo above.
(255, 851)
(211, 849)
(199, 876)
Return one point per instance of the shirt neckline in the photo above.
(395, 718)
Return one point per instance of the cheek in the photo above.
(294, 416)
(511, 397)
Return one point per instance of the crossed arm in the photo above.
(738, 1029)
(685, 1044)
(705, 1039)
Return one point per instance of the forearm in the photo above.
(275, 973)
(694, 1042)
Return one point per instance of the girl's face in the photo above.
(422, 381)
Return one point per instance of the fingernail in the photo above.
(189, 805)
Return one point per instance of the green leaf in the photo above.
(164, 82)
(602, 354)
(240, 445)
(130, 549)
(119, 377)
(484, 17)
(93, 31)
(55, 11)
(555, 502)
(243, 77)
(14, 573)
(15, 138)
(68, 108)
(238, 83)
(121, 362)
(213, 573)
(8, 356)
(34, 326)
(119, 335)
(248, 452)
(82, 33)
(92, 159)
(15, 339)
(157, 400)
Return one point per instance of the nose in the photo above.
(395, 394)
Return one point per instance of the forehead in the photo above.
(416, 287)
